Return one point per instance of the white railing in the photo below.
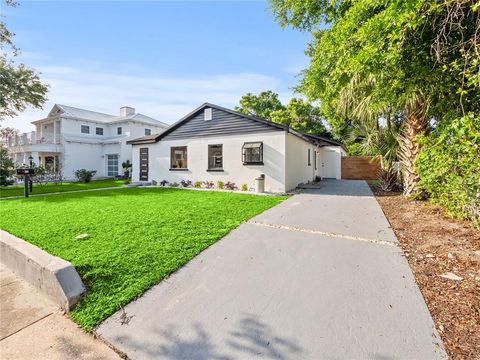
(22, 139)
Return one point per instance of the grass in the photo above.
(137, 235)
(17, 190)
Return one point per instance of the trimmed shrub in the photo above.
(84, 175)
(174, 184)
(449, 164)
(164, 182)
(153, 182)
(220, 184)
(186, 183)
(244, 187)
(231, 186)
(197, 184)
(208, 184)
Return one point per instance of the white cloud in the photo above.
(164, 98)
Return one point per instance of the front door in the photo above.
(329, 164)
(143, 164)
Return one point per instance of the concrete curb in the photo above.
(53, 276)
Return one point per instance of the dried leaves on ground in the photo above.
(444, 255)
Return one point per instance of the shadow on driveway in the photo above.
(250, 338)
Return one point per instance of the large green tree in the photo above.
(297, 114)
(372, 58)
(20, 86)
(260, 105)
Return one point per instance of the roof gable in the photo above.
(83, 114)
(224, 122)
(88, 115)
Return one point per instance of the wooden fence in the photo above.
(360, 167)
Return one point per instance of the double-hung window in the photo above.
(85, 129)
(309, 158)
(252, 153)
(119, 130)
(215, 157)
(99, 131)
(178, 158)
(148, 132)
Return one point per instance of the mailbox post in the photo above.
(25, 172)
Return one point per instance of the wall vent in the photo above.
(207, 114)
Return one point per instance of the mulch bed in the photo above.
(435, 244)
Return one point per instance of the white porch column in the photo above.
(54, 131)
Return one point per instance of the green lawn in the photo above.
(17, 190)
(137, 235)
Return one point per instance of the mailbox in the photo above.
(26, 171)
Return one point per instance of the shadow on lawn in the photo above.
(250, 338)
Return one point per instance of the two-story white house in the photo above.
(69, 139)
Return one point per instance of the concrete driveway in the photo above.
(319, 276)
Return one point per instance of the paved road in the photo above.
(318, 277)
(32, 327)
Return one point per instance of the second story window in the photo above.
(148, 132)
(85, 129)
(119, 131)
(99, 131)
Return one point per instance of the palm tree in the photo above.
(415, 123)
(126, 165)
(357, 101)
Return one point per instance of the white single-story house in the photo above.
(213, 143)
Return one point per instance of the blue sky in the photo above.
(163, 58)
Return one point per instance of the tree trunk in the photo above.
(415, 124)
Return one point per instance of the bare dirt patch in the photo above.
(437, 245)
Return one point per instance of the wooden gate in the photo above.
(360, 167)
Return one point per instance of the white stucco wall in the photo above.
(93, 156)
(297, 168)
(234, 170)
(82, 156)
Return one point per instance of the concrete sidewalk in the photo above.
(319, 276)
(32, 327)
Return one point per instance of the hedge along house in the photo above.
(213, 143)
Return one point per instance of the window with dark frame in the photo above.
(252, 153)
(215, 157)
(178, 158)
(315, 159)
(99, 131)
(85, 129)
(148, 131)
(119, 130)
(309, 160)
